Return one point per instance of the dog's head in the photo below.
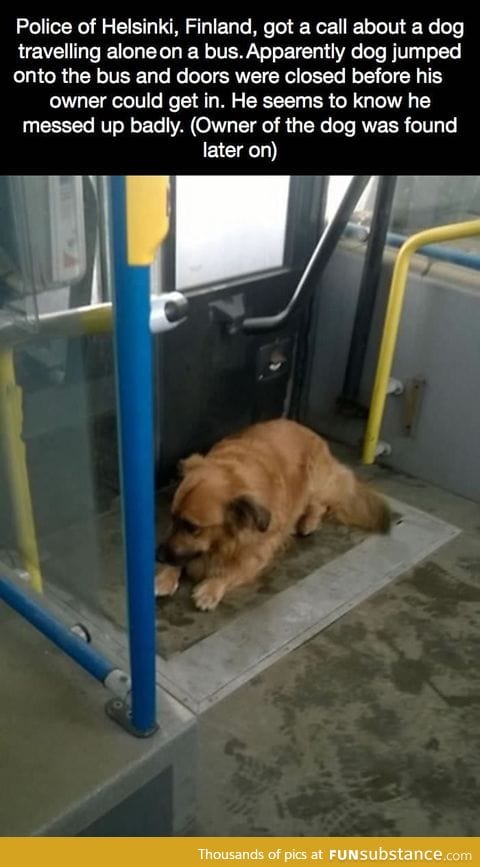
(211, 510)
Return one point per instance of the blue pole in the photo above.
(133, 349)
(48, 625)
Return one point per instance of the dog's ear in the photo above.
(190, 463)
(246, 511)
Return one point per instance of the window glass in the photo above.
(60, 498)
(337, 186)
(424, 202)
(229, 226)
(420, 202)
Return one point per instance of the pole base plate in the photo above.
(121, 712)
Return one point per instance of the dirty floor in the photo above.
(370, 728)
(179, 624)
(373, 726)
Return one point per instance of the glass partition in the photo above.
(57, 395)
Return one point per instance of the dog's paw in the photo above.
(304, 528)
(208, 594)
(310, 521)
(166, 580)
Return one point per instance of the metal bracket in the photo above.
(382, 448)
(230, 312)
(82, 632)
(167, 311)
(414, 393)
(395, 387)
(119, 683)
(121, 713)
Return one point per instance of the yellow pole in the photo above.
(392, 321)
(11, 423)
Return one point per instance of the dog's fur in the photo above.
(236, 507)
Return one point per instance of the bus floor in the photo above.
(372, 727)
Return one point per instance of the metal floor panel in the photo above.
(219, 664)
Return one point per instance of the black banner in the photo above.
(176, 93)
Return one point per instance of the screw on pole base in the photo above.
(119, 711)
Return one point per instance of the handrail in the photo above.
(317, 263)
(392, 321)
(452, 255)
(75, 322)
(16, 470)
(368, 288)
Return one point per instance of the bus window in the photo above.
(227, 227)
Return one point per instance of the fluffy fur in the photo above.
(236, 507)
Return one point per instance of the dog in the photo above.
(236, 507)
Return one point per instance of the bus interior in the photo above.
(341, 695)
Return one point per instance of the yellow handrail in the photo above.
(85, 321)
(16, 468)
(392, 321)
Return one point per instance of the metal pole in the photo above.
(367, 292)
(16, 470)
(46, 623)
(393, 317)
(318, 260)
(133, 349)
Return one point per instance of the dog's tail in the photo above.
(359, 505)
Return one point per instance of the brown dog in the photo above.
(236, 507)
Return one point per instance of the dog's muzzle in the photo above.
(166, 554)
(161, 554)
